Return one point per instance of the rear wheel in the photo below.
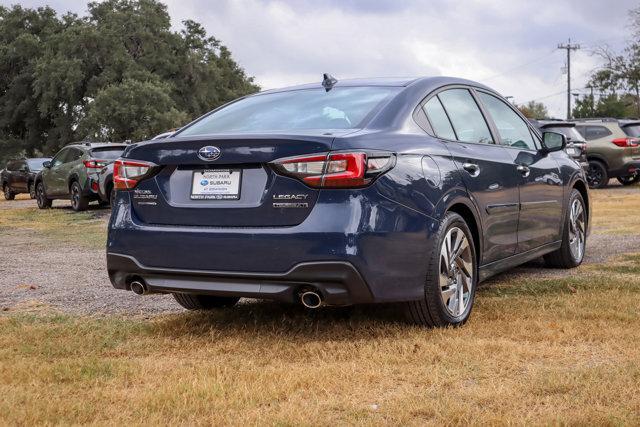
(78, 201)
(32, 190)
(41, 197)
(451, 277)
(8, 194)
(574, 236)
(204, 302)
(597, 175)
(629, 180)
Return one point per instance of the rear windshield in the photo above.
(569, 131)
(632, 130)
(36, 164)
(340, 108)
(107, 153)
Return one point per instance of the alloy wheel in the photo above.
(75, 196)
(594, 176)
(456, 272)
(577, 230)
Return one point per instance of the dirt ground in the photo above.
(39, 272)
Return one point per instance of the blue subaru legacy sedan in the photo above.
(347, 192)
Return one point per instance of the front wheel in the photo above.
(597, 176)
(574, 236)
(451, 277)
(629, 180)
(41, 197)
(8, 194)
(204, 302)
(78, 201)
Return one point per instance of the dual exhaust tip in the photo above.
(308, 298)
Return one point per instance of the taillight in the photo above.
(626, 142)
(95, 164)
(337, 169)
(127, 174)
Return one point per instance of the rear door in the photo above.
(486, 168)
(541, 187)
(249, 193)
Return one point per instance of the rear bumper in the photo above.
(338, 282)
(352, 248)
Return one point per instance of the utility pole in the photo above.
(569, 47)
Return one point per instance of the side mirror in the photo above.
(46, 164)
(553, 141)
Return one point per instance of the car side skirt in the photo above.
(488, 270)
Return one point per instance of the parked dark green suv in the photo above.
(73, 174)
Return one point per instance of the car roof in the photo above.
(382, 82)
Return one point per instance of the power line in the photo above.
(569, 47)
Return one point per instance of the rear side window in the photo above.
(107, 153)
(513, 131)
(632, 130)
(73, 155)
(466, 118)
(596, 132)
(438, 119)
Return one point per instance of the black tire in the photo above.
(204, 302)
(597, 176)
(8, 194)
(79, 202)
(629, 179)
(41, 197)
(565, 257)
(432, 311)
(32, 190)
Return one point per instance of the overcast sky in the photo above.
(510, 45)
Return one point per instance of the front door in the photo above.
(53, 178)
(540, 182)
(486, 168)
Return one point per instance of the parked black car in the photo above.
(19, 177)
(576, 145)
(73, 173)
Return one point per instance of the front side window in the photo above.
(466, 118)
(438, 119)
(513, 130)
(305, 109)
(60, 157)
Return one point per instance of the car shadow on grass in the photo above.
(290, 320)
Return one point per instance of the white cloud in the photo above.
(511, 44)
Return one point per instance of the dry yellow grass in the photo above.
(536, 351)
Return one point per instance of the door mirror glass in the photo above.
(46, 164)
(553, 141)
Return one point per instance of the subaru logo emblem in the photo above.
(209, 153)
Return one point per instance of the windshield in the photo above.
(569, 131)
(632, 130)
(36, 164)
(107, 153)
(340, 108)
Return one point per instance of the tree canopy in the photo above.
(534, 110)
(118, 73)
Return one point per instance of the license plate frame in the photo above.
(219, 195)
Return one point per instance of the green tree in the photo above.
(534, 110)
(118, 73)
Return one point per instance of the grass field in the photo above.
(538, 350)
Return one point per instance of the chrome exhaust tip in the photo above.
(138, 287)
(311, 299)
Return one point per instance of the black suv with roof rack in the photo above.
(613, 150)
(73, 173)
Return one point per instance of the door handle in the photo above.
(524, 170)
(472, 168)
